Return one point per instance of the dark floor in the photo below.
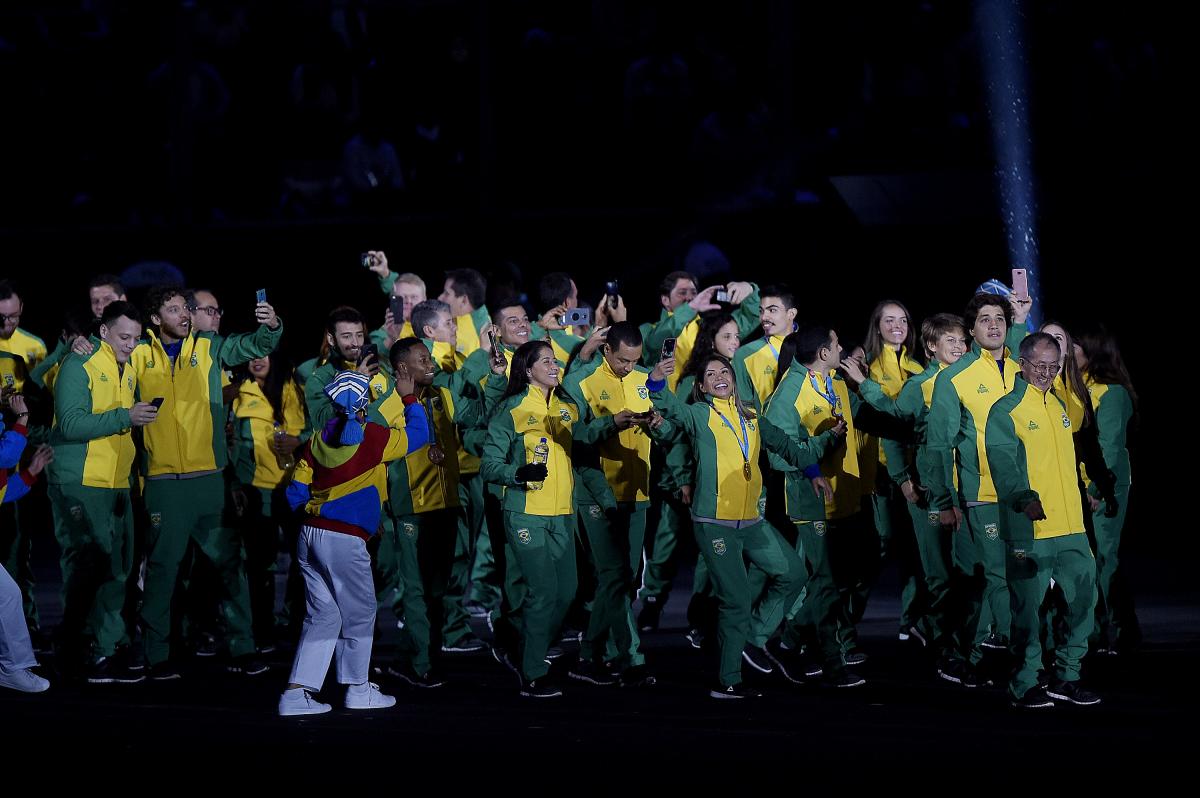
(904, 715)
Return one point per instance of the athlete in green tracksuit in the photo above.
(529, 452)
(960, 483)
(424, 509)
(1032, 461)
(610, 385)
(727, 521)
(1114, 403)
(90, 479)
(944, 339)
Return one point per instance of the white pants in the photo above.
(16, 649)
(340, 616)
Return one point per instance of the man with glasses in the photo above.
(206, 311)
(1031, 452)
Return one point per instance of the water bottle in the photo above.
(541, 454)
(284, 461)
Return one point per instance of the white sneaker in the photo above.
(299, 701)
(367, 696)
(24, 680)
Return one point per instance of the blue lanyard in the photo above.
(744, 441)
(829, 394)
(774, 351)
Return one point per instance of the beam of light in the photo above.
(1005, 71)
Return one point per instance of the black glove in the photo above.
(1111, 506)
(532, 472)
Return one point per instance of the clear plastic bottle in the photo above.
(284, 461)
(541, 454)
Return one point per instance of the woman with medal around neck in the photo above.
(726, 437)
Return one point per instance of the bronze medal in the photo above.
(436, 455)
(746, 470)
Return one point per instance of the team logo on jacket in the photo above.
(9, 380)
(156, 520)
(992, 531)
(195, 361)
(436, 402)
(524, 536)
(643, 392)
(935, 519)
(604, 397)
(983, 388)
(410, 529)
(532, 420)
(129, 382)
(1066, 422)
(750, 426)
(817, 410)
(594, 511)
(565, 415)
(1033, 425)
(77, 512)
(719, 546)
(819, 528)
(1019, 554)
(103, 378)
(769, 370)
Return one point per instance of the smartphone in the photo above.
(260, 296)
(722, 295)
(366, 260)
(574, 316)
(1020, 283)
(157, 402)
(368, 350)
(612, 289)
(668, 349)
(397, 306)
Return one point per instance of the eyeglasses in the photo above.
(1041, 368)
(209, 309)
(15, 318)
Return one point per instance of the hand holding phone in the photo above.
(576, 317)
(396, 305)
(157, 402)
(612, 290)
(668, 349)
(260, 296)
(1020, 281)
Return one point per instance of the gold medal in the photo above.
(436, 455)
(746, 470)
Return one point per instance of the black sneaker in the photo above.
(695, 638)
(268, 647)
(477, 609)
(571, 636)
(637, 676)
(1072, 693)
(108, 670)
(995, 642)
(592, 673)
(793, 664)
(206, 645)
(854, 657)
(247, 665)
(651, 614)
(952, 670)
(843, 678)
(554, 652)
(1034, 698)
(734, 691)
(538, 688)
(758, 658)
(406, 674)
(913, 633)
(501, 656)
(467, 644)
(973, 678)
(164, 672)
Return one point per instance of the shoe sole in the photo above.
(949, 677)
(304, 712)
(854, 663)
(993, 646)
(590, 679)
(782, 670)
(245, 672)
(169, 678)
(649, 681)
(857, 683)
(755, 665)
(458, 650)
(696, 644)
(1015, 705)
(112, 680)
(414, 682)
(1061, 697)
(557, 694)
(371, 706)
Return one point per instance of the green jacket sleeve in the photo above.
(1112, 425)
(748, 314)
(745, 388)
(669, 406)
(944, 423)
(1010, 473)
(669, 327)
(73, 407)
(320, 409)
(387, 281)
(799, 453)
(1016, 334)
(781, 413)
(494, 464)
(238, 349)
(569, 343)
(38, 375)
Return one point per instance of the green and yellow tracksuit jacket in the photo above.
(254, 463)
(625, 457)
(755, 365)
(1076, 409)
(13, 372)
(724, 443)
(912, 406)
(91, 436)
(957, 420)
(800, 409)
(46, 373)
(519, 424)
(189, 434)
(891, 370)
(747, 315)
(1113, 408)
(26, 346)
(469, 327)
(1031, 457)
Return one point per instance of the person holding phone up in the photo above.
(89, 485)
